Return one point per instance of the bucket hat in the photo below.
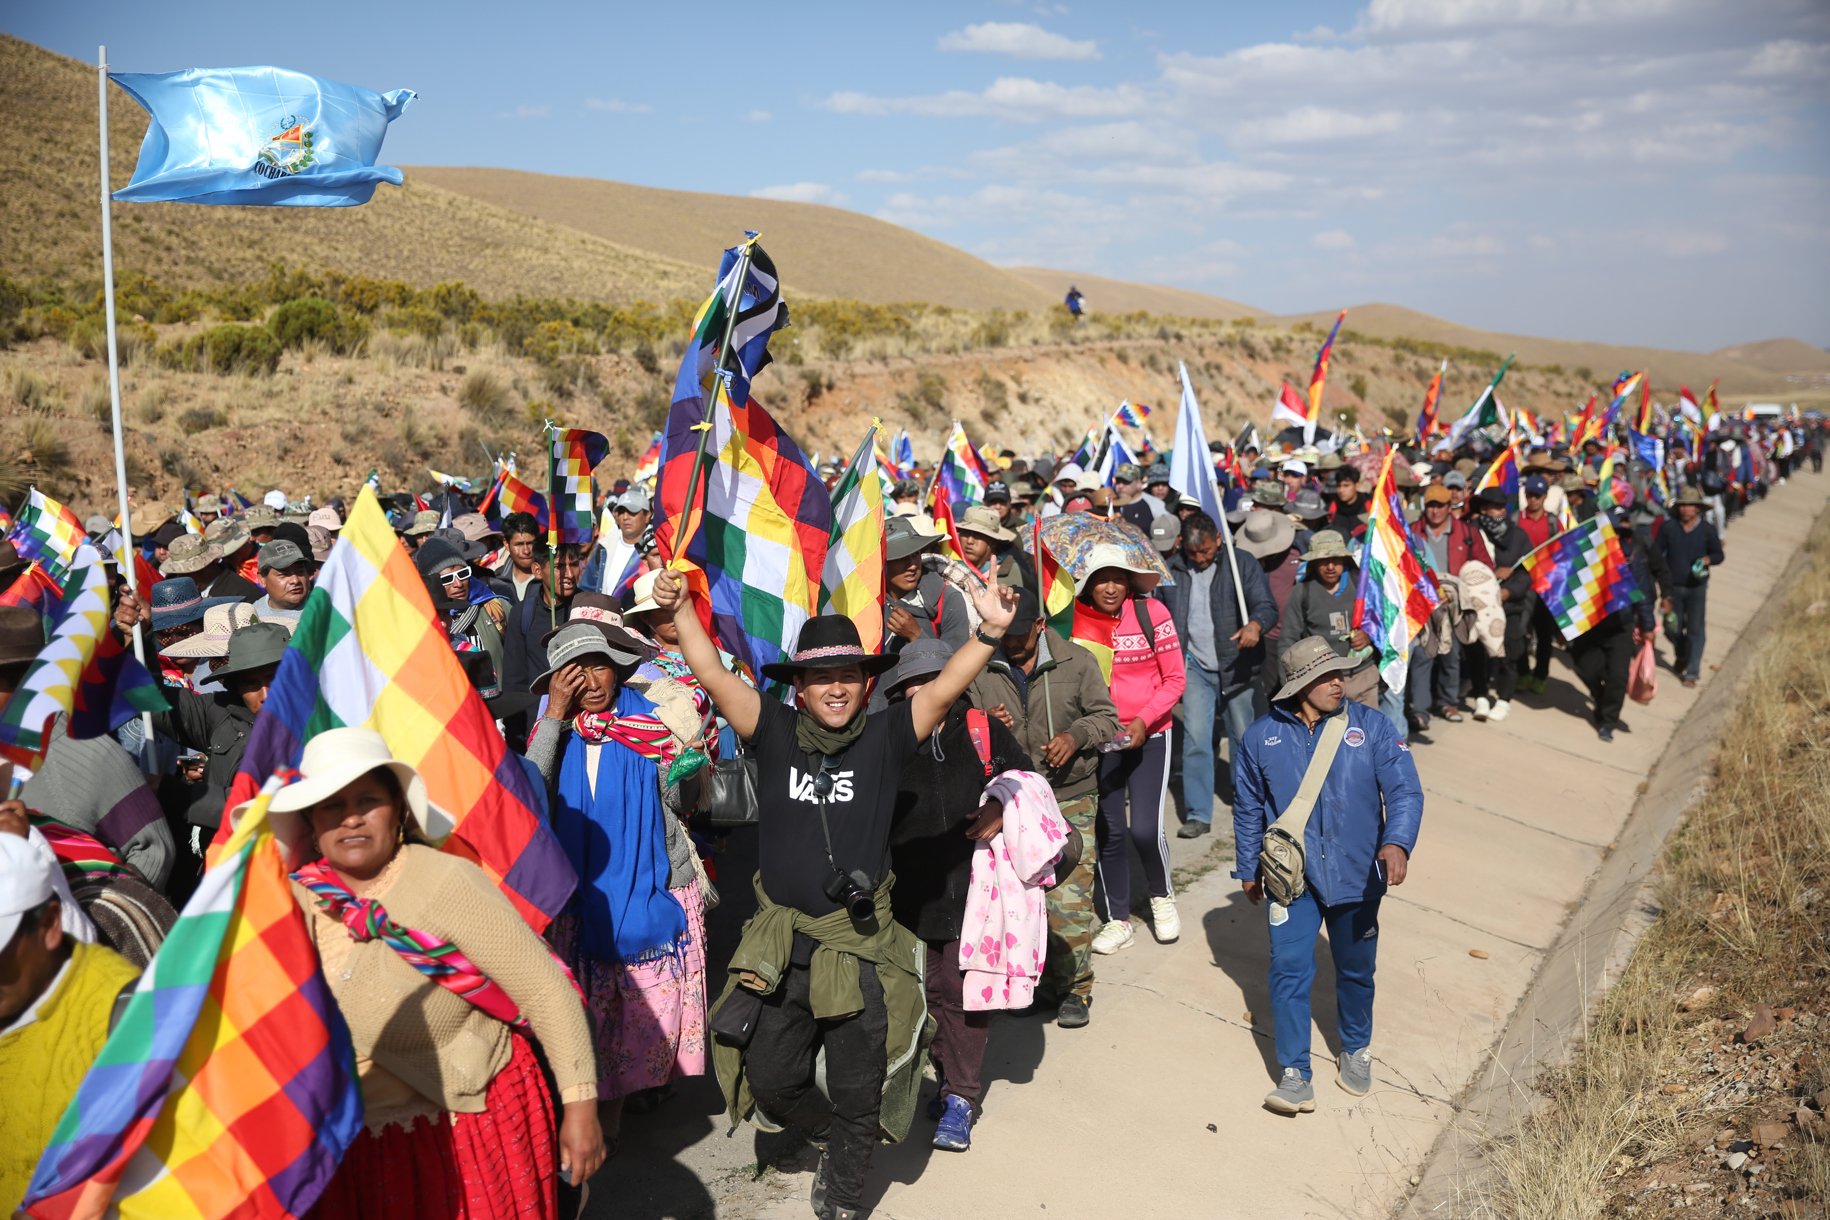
(175, 601)
(1268, 495)
(1307, 660)
(827, 641)
(922, 658)
(904, 536)
(208, 503)
(219, 623)
(260, 517)
(984, 522)
(424, 522)
(1326, 544)
(1690, 495)
(581, 638)
(227, 535)
(1262, 534)
(252, 647)
(604, 615)
(1308, 505)
(1110, 555)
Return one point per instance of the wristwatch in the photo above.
(990, 641)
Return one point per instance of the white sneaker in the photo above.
(1501, 708)
(1482, 708)
(1165, 924)
(1114, 936)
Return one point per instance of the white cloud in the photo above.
(1333, 239)
(801, 192)
(616, 105)
(1018, 39)
(1014, 98)
(884, 175)
(526, 111)
(1317, 124)
(758, 116)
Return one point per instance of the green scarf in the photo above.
(816, 738)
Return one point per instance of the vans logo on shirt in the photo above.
(800, 786)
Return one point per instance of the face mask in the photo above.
(1493, 527)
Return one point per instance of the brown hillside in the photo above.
(1779, 356)
(1122, 296)
(1603, 360)
(50, 215)
(821, 251)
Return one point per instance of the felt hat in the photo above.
(603, 614)
(1262, 534)
(1690, 495)
(1308, 505)
(175, 601)
(12, 563)
(21, 635)
(1307, 660)
(1326, 544)
(252, 647)
(1111, 555)
(978, 519)
(576, 639)
(922, 658)
(827, 641)
(904, 536)
(220, 621)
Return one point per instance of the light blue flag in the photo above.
(259, 136)
(1191, 473)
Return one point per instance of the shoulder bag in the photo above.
(729, 794)
(1281, 859)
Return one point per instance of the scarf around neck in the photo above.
(815, 738)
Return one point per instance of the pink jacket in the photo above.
(1147, 676)
(1004, 938)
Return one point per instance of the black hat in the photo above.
(997, 492)
(827, 641)
(1028, 609)
(1491, 497)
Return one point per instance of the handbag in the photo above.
(729, 794)
(1642, 674)
(1281, 858)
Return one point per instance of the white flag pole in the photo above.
(114, 386)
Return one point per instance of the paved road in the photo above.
(1154, 1108)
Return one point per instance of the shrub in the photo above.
(415, 320)
(552, 342)
(45, 446)
(98, 405)
(994, 394)
(295, 322)
(927, 397)
(486, 395)
(31, 391)
(645, 356)
(230, 348)
(152, 405)
(201, 419)
(1357, 383)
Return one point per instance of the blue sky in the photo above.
(1650, 171)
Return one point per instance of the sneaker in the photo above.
(1605, 732)
(1192, 829)
(954, 1134)
(822, 1182)
(1419, 722)
(1293, 1095)
(1501, 709)
(1116, 935)
(1165, 924)
(1354, 1072)
(1481, 708)
(1073, 1012)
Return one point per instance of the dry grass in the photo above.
(1745, 896)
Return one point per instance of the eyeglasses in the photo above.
(453, 575)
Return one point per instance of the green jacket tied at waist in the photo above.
(833, 990)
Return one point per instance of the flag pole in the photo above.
(114, 385)
(552, 529)
(682, 536)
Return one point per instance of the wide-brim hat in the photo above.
(191, 553)
(827, 641)
(1690, 495)
(253, 647)
(644, 593)
(260, 517)
(227, 535)
(21, 635)
(1307, 660)
(1263, 533)
(904, 536)
(578, 638)
(984, 522)
(1109, 555)
(1326, 544)
(175, 601)
(604, 614)
(208, 504)
(12, 563)
(332, 761)
(922, 658)
(220, 621)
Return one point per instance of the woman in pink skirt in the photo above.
(634, 934)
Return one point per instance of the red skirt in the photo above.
(500, 1164)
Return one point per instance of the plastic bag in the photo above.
(1642, 674)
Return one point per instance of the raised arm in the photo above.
(737, 701)
(996, 606)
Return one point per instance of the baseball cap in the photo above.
(1455, 478)
(1535, 485)
(1164, 531)
(635, 500)
(279, 554)
(1128, 472)
(1436, 493)
(997, 492)
(1295, 466)
(1028, 609)
(25, 882)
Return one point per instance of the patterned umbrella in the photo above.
(1071, 537)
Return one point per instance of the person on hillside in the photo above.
(939, 822)
(822, 964)
(1691, 549)
(1223, 656)
(1496, 679)
(1048, 691)
(1603, 654)
(919, 602)
(1321, 606)
(1435, 679)
(457, 1114)
(1147, 682)
(1358, 840)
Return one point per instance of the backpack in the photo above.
(978, 727)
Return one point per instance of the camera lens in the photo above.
(862, 907)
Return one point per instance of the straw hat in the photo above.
(219, 623)
(1111, 555)
(1307, 660)
(333, 760)
(644, 594)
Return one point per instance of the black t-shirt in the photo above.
(791, 847)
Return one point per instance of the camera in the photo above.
(855, 893)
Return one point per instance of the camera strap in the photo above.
(825, 827)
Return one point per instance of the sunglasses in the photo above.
(453, 575)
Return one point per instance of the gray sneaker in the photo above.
(1355, 1072)
(1293, 1095)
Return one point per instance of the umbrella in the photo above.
(1071, 537)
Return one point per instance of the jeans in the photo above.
(1353, 941)
(1200, 699)
(1602, 656)
(1688, 606)
(779, 1063)
(1435, 681)
(1138, 778)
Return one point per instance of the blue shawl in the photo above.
(618, 844)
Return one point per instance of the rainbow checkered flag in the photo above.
(1582, 576)
(49, 532)
(576, 453)
(1397, 591)
(228, 1087)
(852, 583)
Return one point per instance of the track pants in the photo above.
(1138, 778)
(958, 1051)
(1353, 942)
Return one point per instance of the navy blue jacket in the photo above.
(1237, 666)
(1372, 797)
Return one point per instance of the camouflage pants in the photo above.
(1072, 921)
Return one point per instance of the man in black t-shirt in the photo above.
(827, 776)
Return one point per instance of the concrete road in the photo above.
(1154, 1109)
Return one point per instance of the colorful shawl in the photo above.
(82, 856)
(439, 960)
